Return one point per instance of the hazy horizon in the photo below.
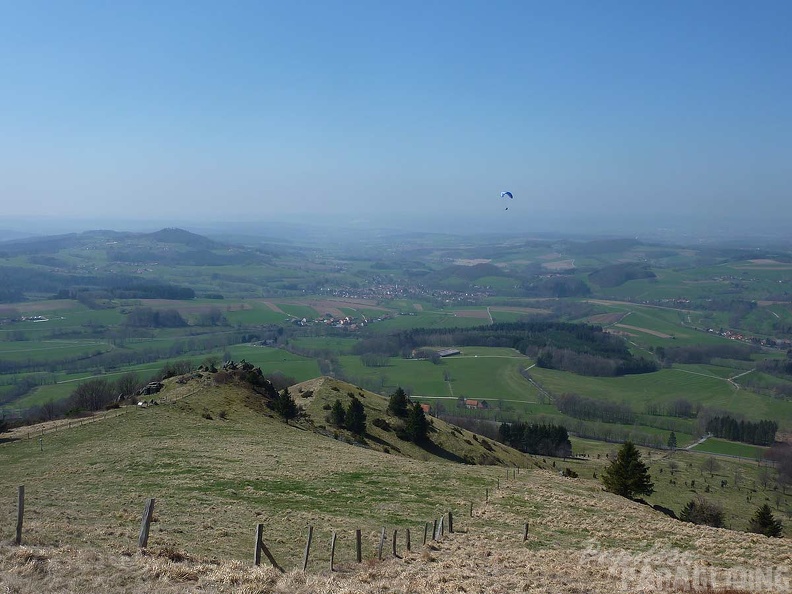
(607, 117)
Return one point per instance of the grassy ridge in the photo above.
(214, 479)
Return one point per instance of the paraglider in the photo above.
(507, 195)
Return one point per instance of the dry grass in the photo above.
(617, 546)
(214, 480)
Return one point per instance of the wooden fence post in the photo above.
(358, 550)
(450, 522)
(434, 530)
(307, 548)
(442, 526)
(20, 514)
(407, 536)
(486, 494)
(145, 524)
(260, 546)
(395, 531)
(426, 528)
(525, 532)
(381, 544)
(471, 509)
(257, 546)
(332, 551)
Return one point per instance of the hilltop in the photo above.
(218, 462)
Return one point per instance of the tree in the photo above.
(285, 406)
(337, 414)
(711, 465)
(397, 404)
(417, 427)
(701, 511)
(672, 441)
(356, 417)
(627, 475)
(763, 522)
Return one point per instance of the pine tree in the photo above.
(627, 475)
(337, 414)
(417, 427)
(397, 404)
(672, 441)
(356, 417)
(763, 522)
(285, 406)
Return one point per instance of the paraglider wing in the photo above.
(504, 194)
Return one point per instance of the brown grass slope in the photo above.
(216, 478)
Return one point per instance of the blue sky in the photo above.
(632, 111)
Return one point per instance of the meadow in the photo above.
(214, 477)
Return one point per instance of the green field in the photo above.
(731, 448)
(276, 360)
(479, 372)
(665, 386)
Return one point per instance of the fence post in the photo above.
(332, 551)
(357, 546)
(525, 532)
(257, 547)
(426, 528)
(407, 536)
(145, 524)
(395, 531)
(434, 530)
(260, 546)
(471, 509)
(381, 544)
(307, 548)
(486, 494)
(20, 514)
(450, 522)
(442, 526)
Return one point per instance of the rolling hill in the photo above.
(218, 462)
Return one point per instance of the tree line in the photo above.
(539, 439)
(759, 433)
(581, 348)
(589, 409)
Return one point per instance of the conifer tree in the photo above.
(672, 441)
(285, 406)
(763, 522)
(356, 417)
(337, 414)
(627, 475)
(417, 426)
(398, 403)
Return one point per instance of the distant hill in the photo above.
(181, 237)
(618, 274)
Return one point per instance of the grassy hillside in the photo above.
(218, 464)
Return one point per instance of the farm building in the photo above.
(448, 352)
(480, 404)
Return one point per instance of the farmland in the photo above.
(299, 312)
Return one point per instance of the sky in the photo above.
(632, 114)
